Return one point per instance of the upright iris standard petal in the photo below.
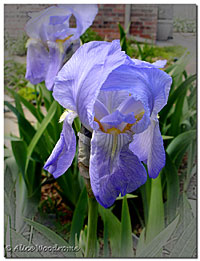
(62, 156)
(117, 117)
(51, 30)
(79, 81)
(84, 15)
(150, 85)
(114, 168)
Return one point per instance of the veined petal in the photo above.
(62, 155)
(149, 85)
(100, 110)
(45, 23)
(140, 111)
(37, 61)
(79, 81)
(117, 118)
(148, 146)
(55, 21)
(56, 58)
(112, 99)
(114, 168)
(160, 83)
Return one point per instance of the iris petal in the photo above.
(79, 81)
(54, 20)
(117, 118)
(55, 62)
(62, 155)
(37, 62)
(140, 112)
(143, 64)
(100, 110)
(149, 85)
(84, 15)
(148, 146)
(112, 99)
(50, 28)
(113, 171)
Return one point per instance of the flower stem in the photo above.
(91, 246)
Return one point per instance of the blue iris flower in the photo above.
(118, 99)
(51, 38)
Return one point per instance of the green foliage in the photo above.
(14, 75)
(89, 36)
(28, 93)
(78, 216)
(153, 247)
(155, 223)
(16, 46)
(113, 228)
(126, 231)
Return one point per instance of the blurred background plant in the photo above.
(156, 220)
(182, 25)
(16, 46)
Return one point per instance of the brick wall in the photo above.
(143, 19)
(107, 19)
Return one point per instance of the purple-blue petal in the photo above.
(148, 146)
(117, 118)
(48, 26)
(149, 85)
(37, 62)
(54, 20)
(62, 155)
(113, 174)
(84, 15)
(144, 64)
(79, 81)
(55, 63)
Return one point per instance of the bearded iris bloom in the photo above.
(118, 100)
(51, 39)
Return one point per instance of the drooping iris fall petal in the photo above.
(64, 151)
(113, 167)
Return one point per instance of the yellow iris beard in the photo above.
(61, 42)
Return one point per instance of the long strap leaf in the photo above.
(40, 131)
